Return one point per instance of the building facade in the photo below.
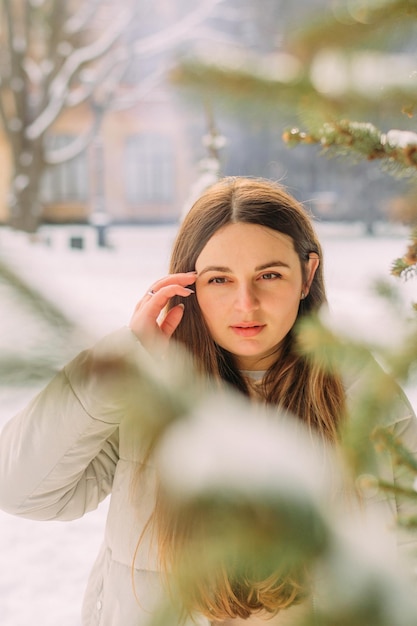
(136, 169)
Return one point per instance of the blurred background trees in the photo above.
(76, 60)
(47, 50)
(93, 130)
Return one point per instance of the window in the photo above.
(67, 181)
(149, 169)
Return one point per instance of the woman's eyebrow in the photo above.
(264, 266)
(214, 268)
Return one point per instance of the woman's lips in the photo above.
(248, 330)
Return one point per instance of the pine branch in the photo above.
(402, 269)
(402, 456)
(46, 309)
(248, 80)
(406, 266)
(391, 488)
(410, 523)
(363, 139)
(351, 23)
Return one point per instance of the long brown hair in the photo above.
(293, 383)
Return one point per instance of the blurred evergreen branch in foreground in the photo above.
(256, 495)
(37, 337)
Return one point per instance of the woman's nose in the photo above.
(246, 298)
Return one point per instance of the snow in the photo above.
(401, 138)
(200, 454)
(45, 565)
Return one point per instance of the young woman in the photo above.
(246, 265)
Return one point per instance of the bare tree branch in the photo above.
(82, 17)
(60, 85)
(141, 91)
(180, 31)
(97, 76)
(33, 71)
(76, 147)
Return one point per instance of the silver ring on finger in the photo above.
(151, 292)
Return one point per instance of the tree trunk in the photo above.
(24, 198)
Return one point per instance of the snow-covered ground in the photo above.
(44, 566)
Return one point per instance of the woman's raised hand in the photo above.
(146, 323)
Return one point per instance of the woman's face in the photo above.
(248, 287)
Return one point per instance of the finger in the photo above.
(182, 278)
(154, 301)
(144, 321)
(172, 320)
(160, 298)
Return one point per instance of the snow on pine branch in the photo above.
(263, 459)
(396, 147)
(401, 138)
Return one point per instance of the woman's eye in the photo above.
(219, 280)
(270, 275)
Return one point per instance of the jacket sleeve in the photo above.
(58, 456)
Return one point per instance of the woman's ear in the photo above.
(312, 265)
